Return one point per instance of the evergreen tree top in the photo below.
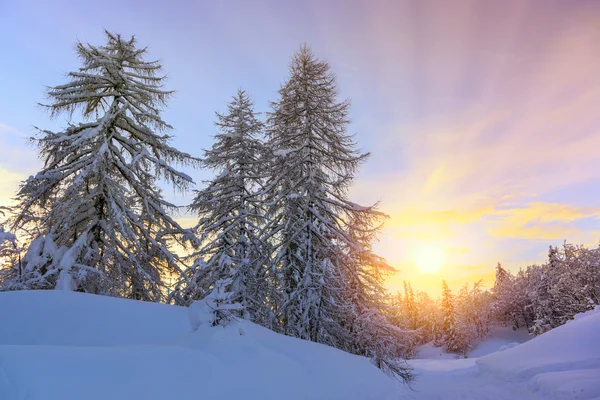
(237, 141)
(116, 69)
(307, 129)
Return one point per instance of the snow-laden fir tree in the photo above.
(314, 163)
(410, 306)
(434, 321)
(452, 340)
(472, 307)
(310, 218)
(98, 189)
(502, 307)
(572, 289)
(427, 311)
(367, 302)
(542, 297)
(231, 214)
(10, 257)
(561, 288)
(8, 245)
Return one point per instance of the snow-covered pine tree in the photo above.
(561, 288)
(480, 314)
(425, 307)
(8, 241)
(521, 295)
(542, 297)
(411, 306)
(539, 299)
(570, 289)
(366, 303)
(502, 305)
(313, 165)
(310, 219)
(99, 184)
(437, 335)
(231, 214)
(452, 340)
(10, 257)
(8, 244)
(472, 323)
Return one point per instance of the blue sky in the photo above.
(482, 116)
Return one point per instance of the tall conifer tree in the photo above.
(327, 271)
(99, 184)
(231, 215)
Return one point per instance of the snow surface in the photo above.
(430, 352)
(66, 345)
(562, 364)
(499, 338)
(57, 345)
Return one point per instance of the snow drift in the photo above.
(64, 345)
(563, 363)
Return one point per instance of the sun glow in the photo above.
(428, 257)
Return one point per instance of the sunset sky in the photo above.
(482, 116)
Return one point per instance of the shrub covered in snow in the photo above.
(216, 308)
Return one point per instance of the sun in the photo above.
(429, 257)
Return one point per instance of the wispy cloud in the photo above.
(540, 221)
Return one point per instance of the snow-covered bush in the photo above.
(8, 242)
(46, 266)
(216, 308)
(9, 257)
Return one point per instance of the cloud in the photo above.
(540, 220)
(509, 120)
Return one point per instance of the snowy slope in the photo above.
(575, 344)
(77, 319)
(499, 337)
(563, 363)
(63, 345)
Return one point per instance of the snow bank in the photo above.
(430, 352)
(47, 317)
(64, 345)
(498, 339)
(573, 345)
(568, 385)
(458, 366)
(564, 362)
